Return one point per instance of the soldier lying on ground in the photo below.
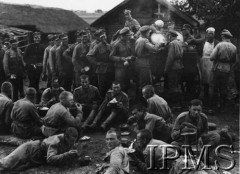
(55, 150)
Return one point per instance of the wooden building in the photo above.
(146, 12)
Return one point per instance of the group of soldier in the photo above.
(88, 87)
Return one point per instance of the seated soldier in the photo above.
(156, 104)
(6, 105)
(196, 121)
(115, 106)
(58, 117)
(145, 141)
(155, 124)
(90, 97)
(55, 150)
(26, 122)
(50, 96)
(117, 158)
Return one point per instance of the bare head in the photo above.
(66, 98)
(7, 89)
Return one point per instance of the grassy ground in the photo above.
(96, 148)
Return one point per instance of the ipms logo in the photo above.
(191, 161)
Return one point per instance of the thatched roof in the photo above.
(46, 20)
(125, 3)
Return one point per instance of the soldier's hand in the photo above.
(79, 106)
(123, 59)
(119, 105)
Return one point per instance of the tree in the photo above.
(218, 13)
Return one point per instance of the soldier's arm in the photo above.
(70, 120)
(91, 56)
(5, 64)
(176, 129)
(45, 56)
(9, 107)
(51, 61)
(116, 159)
(150, 46)
(214, 53)
(54, 158)
(66, 55)
(170, 58)
(58, 53)
(150, 124)
(97, 98)
(45, 98)
(113, 55)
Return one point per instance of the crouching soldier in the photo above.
(194, 121)
(26, 122)
(50, 95)
(154, 123)
(115, 106)
(90, 97)
(117, 161)
(58, 117)
(55, 150)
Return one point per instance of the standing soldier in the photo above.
(143, 49)
(79, 58)
(46, 69)
(13, 66)
(99, 57)
(2, 74)
(174, 65)
(223, 57)
(120, 55)
(33, 57)
(52, 57)
(64, 65)
(131, 23)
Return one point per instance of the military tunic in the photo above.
(33, 57)
(119, 50)
(13, 66)
(53, 150)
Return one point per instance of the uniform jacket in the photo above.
(34, 54)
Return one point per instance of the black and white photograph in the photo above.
(119, 86)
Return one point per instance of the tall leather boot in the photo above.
(89, 119)
(108, 120)
(96, 120)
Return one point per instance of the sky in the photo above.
(88, 5)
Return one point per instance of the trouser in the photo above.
(114, 170)
(34, 74)
(122, 76)
(104, 83)
(144, 76)
(23, 157)
(109, 115)
(17, 87)
(66, 80)
(49, 77)
(2, 75)
(25, 131)
(219, 87)
(174, 94)
(189, 78)
(212, 138)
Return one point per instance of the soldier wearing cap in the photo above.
(187, 32)
(79, 58)
(33, 57)
(98, 56)
(52, 56)
(143, 50)
(223, 57)
(131, 23)
(14, 68)
(2, 52)
(46, 68)
(174, 65)
(6, 44)
(64, 64)
(121, 53)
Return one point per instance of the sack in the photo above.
(224, 67)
